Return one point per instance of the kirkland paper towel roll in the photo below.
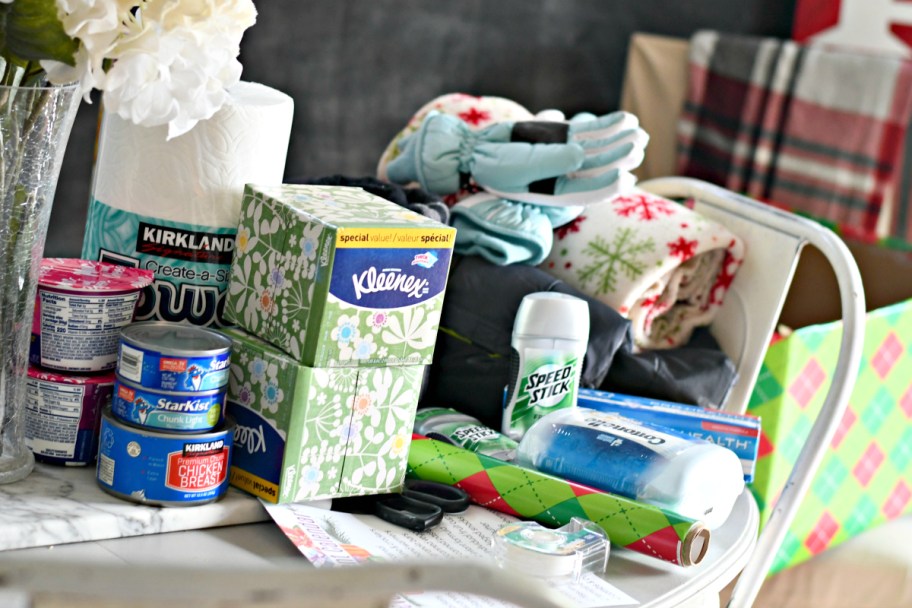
(173, 206)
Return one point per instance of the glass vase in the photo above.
(35, 124)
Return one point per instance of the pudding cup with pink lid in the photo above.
(80, 308)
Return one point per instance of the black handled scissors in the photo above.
(420, 506)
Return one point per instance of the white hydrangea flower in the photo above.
(97, 25)
(229, 17)
(170, 60)
(166, 85)
(83, 73)
(195, 44)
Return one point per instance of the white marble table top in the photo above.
(57, 505)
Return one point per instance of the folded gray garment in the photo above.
(472, 355)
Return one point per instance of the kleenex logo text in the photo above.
(252, 439)
(389, 279)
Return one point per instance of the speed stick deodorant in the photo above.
(550, 335)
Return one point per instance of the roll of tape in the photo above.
(563, 554)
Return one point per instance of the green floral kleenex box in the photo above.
(307, 433)
(338, 277)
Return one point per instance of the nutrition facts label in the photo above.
(75, 329)
(52, 423)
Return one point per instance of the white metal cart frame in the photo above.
(774, 240)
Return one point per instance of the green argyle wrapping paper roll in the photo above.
(552, 501)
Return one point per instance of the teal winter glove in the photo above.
(506, 232)
(546, 162)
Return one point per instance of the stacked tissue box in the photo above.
(338, 294)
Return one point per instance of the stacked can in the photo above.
(80, 308)
(165, 439)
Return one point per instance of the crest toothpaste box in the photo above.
(738, 432)
(338, 277)
(308, 433)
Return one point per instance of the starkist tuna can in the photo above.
(62, 415)
(172, 357)
(163, 469)
(177, 412)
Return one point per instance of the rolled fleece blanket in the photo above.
(658, 263)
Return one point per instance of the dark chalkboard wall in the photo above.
(358, 69)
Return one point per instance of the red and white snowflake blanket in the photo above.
(660, 264)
